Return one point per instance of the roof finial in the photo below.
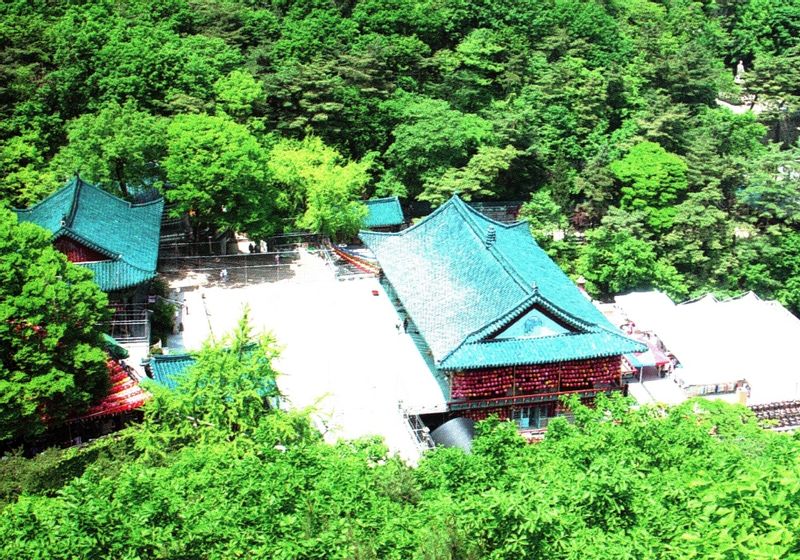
(491, 236)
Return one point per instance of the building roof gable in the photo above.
(463, 277)
(169, 368)
(383, 212)
(127, 233)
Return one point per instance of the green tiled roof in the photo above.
(168, 368)
(383, 212)
(127, 233)
(463, 278)
(544, 350)
(114, 348)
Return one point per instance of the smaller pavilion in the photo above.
(167, 369)
(115, 239)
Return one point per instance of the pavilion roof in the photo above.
(466, 279)
(383, 212)
(168, 368)
(124, 394)
(126, 233)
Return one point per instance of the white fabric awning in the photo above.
(725, 341)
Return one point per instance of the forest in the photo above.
(211, 473)
(263, 117)
(652, 144)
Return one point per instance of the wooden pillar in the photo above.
(514, 381)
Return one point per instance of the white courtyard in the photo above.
(342, 352)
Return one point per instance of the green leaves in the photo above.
(117, 147)
(700, 480)
(51, 315)
(476, 179)
(319, 185)
(653, 181)
(431, 138)
(217, 169)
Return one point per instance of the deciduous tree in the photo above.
(218, 174)
(321, 190)
(118, 147)
(51, 316)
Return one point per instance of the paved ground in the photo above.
(342, 353)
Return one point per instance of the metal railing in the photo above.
(418, 429)
(527, 399)
(240, 268)
(130, 324)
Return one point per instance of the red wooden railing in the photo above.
(525, 399)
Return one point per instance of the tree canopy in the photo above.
(51, 314)
(230, 478)
(600, 106)
(609, 120)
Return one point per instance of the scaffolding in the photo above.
(418, 429)
(130, 324)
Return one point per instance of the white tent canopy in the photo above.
(725, 341)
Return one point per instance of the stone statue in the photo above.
(739, 72)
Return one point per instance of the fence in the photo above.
(237, 269)
(175, 246)
(130, 324)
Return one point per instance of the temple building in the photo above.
(115, 239)
(503, 327)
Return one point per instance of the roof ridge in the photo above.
(45, 199)
(382, 199)
(172, 357)
(590, 354)
(73, 207)
(108, 194)
(381, 233)
(461, 206)
(158, 200)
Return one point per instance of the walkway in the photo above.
(342, 352)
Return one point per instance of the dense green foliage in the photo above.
(600, 105)
(213, 472)
(51, 314)
(267, 116)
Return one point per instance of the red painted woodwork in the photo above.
(123, 395)
(76, 252)
(534, 379)
(483, 413)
